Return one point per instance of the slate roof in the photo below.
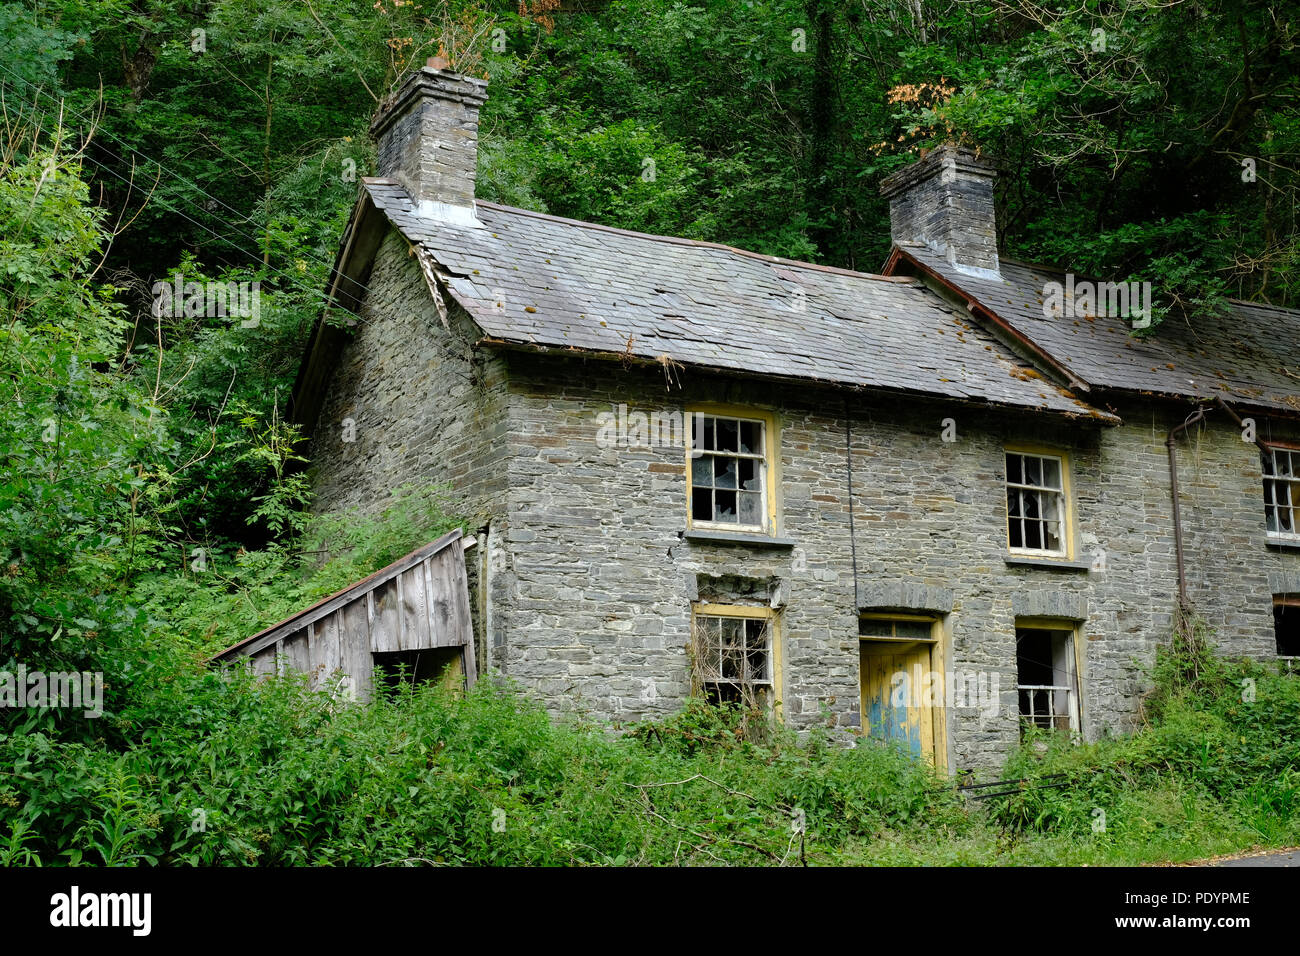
(574, 285)
(1248, 356)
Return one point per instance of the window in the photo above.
(1280, 498)
(902, 629)
(1286, 625)
(1046, 684)
(730, 469)
(1036, 503)
(735, 653)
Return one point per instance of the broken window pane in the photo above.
(702, 504)
(728, 434)
(735, 465)
(1030, 504)
(1279, 491)
(1015, 473)
(724, 472)
(733, 657)
(1036, 504)
(724, 506)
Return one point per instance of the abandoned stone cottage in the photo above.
(696, 468)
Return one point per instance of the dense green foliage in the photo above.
(152, 500)
(223, 770)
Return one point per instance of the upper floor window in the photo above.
(1280, 492)
(1037, 504)
(729, 473)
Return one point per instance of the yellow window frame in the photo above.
(770, 462)
(1075, 629)
(1067, 498)
(750, 612)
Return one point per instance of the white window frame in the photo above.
(763, 458)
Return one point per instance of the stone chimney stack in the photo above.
(427, 135)
(945, 200)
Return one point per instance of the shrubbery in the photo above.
(222, 769)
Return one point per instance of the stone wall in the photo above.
(425, 406)
(601, 577)
(590, 578)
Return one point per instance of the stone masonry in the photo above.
(946, 201)
(587, 601)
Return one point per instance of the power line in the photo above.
(292, 279)
(166, 205)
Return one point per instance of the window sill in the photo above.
(1284, 543)
(736, 537)
(1055, 564)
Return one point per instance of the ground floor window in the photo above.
(1286, 625)
(735, 648)
(1046, 676)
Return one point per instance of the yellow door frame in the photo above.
(938, 664)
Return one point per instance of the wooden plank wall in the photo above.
(424, 606)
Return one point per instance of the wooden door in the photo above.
(895, 678)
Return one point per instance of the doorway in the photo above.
(902, 683)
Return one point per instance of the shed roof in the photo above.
(1246, 356)
(327, 605)
(537, 280)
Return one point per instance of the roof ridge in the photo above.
(1043, 267)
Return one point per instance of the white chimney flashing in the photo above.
(975, 272)
(463, 216)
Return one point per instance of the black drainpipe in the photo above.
(1197, 416)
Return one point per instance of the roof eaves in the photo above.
(666, 362)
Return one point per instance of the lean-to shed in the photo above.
(415, 613)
